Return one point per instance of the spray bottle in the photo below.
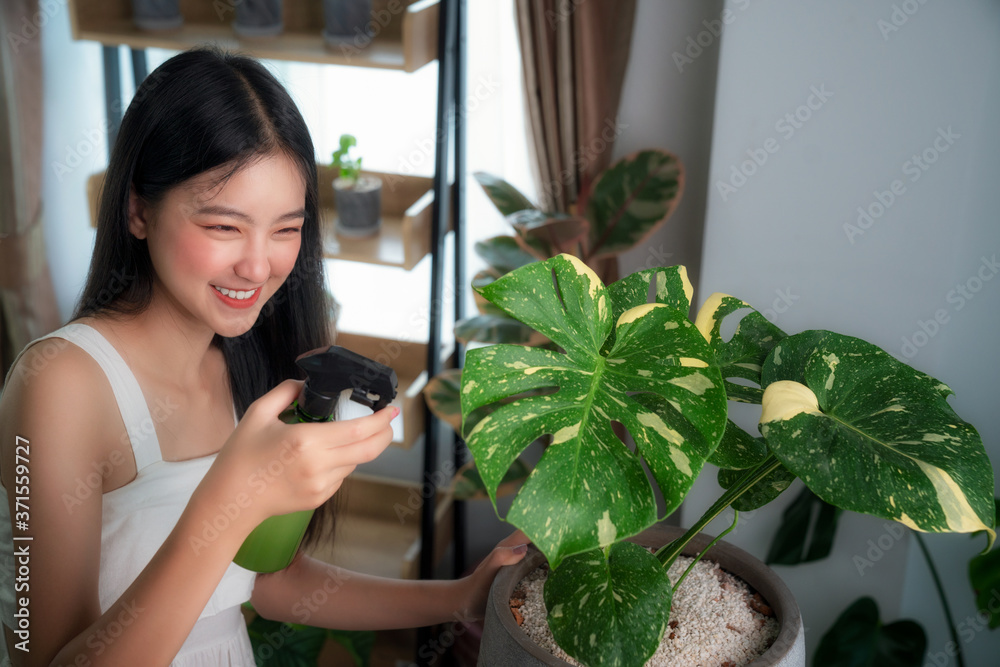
(272, 545)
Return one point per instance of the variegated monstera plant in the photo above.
(862, 430)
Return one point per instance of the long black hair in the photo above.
(202, 110)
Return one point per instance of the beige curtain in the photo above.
(27, 300)
(574, 54)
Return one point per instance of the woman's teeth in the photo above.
(234, 294)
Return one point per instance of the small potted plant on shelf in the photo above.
(864, 431)
(358, 196)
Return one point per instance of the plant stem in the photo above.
(669, 552)
(944, 601)
(736, 519)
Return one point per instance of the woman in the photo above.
(137, 434)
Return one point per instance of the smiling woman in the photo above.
(205, 284)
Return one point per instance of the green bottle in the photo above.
(272, 545)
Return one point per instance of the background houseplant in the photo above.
(358, 196)
(863, 431)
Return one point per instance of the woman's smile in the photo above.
(237, 298)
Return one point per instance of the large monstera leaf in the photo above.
(742, 356)
(589, 490)
(869, 434)
(609, 611)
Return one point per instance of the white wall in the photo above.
(777, 237)
(668, 104)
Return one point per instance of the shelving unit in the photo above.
(408, 35)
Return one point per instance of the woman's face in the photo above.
(221, 250)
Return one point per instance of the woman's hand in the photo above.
(476, 586)
(268, 467)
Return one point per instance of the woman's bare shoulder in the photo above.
(56, 389)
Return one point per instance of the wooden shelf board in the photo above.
(406, 38)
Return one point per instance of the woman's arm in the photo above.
(63, 412)
(66, 414)
(315, 593)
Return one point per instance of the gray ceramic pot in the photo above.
(258, 18)
(347, 21)
(504, 644)
(157, 14)
(359, 207)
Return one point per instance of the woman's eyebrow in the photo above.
(215, 209)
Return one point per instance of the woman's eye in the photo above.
(221, 228)
(289, 231)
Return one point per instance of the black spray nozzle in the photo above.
(333, 369)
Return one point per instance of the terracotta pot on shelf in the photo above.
(157, 14)
(505, 644)
(258, 18)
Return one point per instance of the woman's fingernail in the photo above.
(520, 548)
(395, 412)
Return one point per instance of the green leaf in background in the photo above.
(743, 355)
(859, 639)
(770, 487)
(984, 574)
(738, 450)
(278, 644)
(587, 477)
(442, 397)
(503, 253)
(504, 196)
(496, 328)
(806, 532)
(609, 612)
(534, 245)
(631, 199)
(869, 434)
(556, 233)
(469, 484)
(359, 643)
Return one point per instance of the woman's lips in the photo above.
(237, 298)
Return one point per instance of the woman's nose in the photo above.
(254, 265)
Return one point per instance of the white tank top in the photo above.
(138, 517)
